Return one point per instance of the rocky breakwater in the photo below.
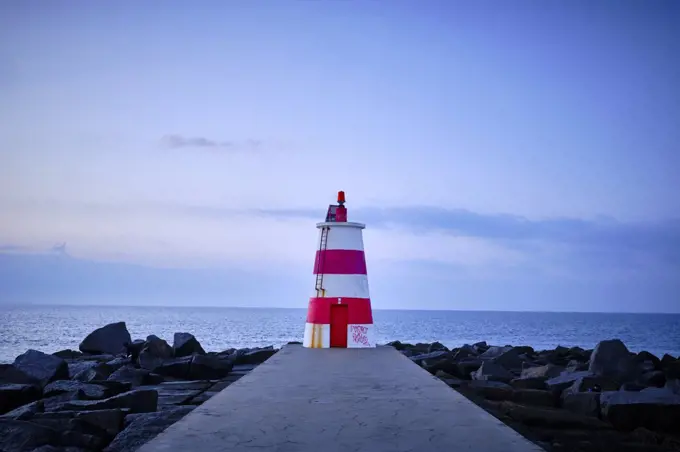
(113, 394)
(567, 399)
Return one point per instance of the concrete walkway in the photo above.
(326, 400)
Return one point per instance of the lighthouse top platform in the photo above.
(336, 224)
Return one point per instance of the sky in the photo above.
(520, 156)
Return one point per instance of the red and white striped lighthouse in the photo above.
(339, 313)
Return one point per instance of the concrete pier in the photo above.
(360, 400)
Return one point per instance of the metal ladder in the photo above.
(320, 291)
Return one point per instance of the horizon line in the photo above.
(305, 307)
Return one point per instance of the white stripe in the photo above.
(350, 286)
(360, 336)
(325, 335)
(343, 238)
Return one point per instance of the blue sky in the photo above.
(520, 157)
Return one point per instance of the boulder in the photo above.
(535, 397)
(100, 371)
(40, 367)
(68, 354)
(449, 379)
(644, 357)
(134, 349)
(258, 356)
(11, 375)
(654, 378)
(89, 391)
(529, 383)
(550, 418)
(185, 344)
(671, 367)
(656, 409)
(137, 401)
(154, 352)
(612, 359)
(116, 363)
(585, 403)
(466, 351)
(20, 436)
(565, 379)
(480, 347)
(15, 395)
(129, 374)
(491, 390)
(77, 367)
(492, 372)
(465, 367)
(140, 428)
(433, 356)
(176, 367)
(508, 357)
(111, 339)
(591, 383)
(436, 347)
(547, 371)
(205, 367)
(26, 411)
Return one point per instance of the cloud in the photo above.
(179, 141)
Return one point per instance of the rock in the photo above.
(550, 417)
(99, 371)
(491, 390)
(116, 363)
(398, 345)
(630, 386)
(673, 386)
(492, 372)
(612, 359)
(547, 371)
(185, 344)
(592, 383)
(656, 409)
(585, 403)
(535, 397)
(508, 357)
(89, 391)
(55, 402)
(436, 347)
(59, 449)
(176, 368)
(576, 366)
(26, 411)
(107, 421)
(565, 379)
(15, 395)
(466, 351)
(671, 367)
(529, 383)
(20, 436)
(140, 428)
(258, 356)
(129, 374)
(134, 349)
(480, 347)
(41, 367)
(449, 379)
(155, 351)
(420, 357)
(11, 375)
(68, 354)
(654, 378)
(115, 387)
(77, 367)
(137, 401)
(111, 339)
(465, 367)
(75, 438)
(646, 357)
(209, 368)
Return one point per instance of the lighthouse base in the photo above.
(318, 335)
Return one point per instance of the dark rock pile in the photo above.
(606, 399)
(114, 394)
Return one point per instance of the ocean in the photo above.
(53, 328)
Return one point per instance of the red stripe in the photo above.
(359, 310)
(340, 262)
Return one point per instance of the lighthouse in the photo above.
(339, 313)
